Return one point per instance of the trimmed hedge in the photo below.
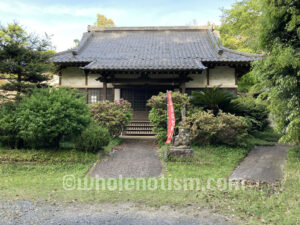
(93, 139)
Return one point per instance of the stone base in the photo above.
(181, 152)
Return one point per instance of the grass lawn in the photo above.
(27, 174)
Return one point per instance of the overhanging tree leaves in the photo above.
(24, 58)
(240, 25)
(280, 72)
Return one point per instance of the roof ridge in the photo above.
(86, 36)
(215, 42)
(149, 28)
(219, 47)
(242, 53)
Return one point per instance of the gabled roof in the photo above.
(157, 48)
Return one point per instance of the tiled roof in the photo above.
(129, 48)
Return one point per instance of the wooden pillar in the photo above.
(86, 73)
(59, 77)
(183, 88)
(236, 75)
(104, 90)
(207, 77)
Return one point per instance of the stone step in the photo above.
(138, 133)
(139, 125)
(139, 128)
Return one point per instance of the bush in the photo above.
(92, 139)
(233, 131)
(8, 132)
(226, 128)
(158, 112)
(48, 115)
(254, 113)
(215, 99)
(112, 115)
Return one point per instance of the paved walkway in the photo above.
(134, 158)
(27, 213)
(263, 164)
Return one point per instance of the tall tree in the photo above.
(102, 21)
(24, 58)
(239, 26)
(280, 71)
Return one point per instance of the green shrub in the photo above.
(205, 128)
(48, 115)
(254, 113)
(8, 131)
(158, 112)
(93, 139)
(215, 99)
(233, 131)
(112, 115)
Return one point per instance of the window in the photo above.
(96, 94)
(93, 98)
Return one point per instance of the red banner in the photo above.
(171, 117)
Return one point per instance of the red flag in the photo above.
(171, 118)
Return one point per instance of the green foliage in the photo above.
(215, 99)
(24, 57)
(254, 113)
(225, 128)
(48, 115)
(279, 72)
(8, 131)
(93, 139)
(158, 112)
(112, 115)
(240, 24)
(280, 24)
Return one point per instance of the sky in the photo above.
(66, 20)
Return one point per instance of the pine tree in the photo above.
(24, 59)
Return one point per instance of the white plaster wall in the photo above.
(199, 80)
(93, 82)
(73, 77)
(222, 75)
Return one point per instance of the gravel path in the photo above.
(135, 158)
(27, 213)
(264, 163)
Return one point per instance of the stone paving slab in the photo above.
(135, 158)
(263, 164)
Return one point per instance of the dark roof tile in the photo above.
(150, 48)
